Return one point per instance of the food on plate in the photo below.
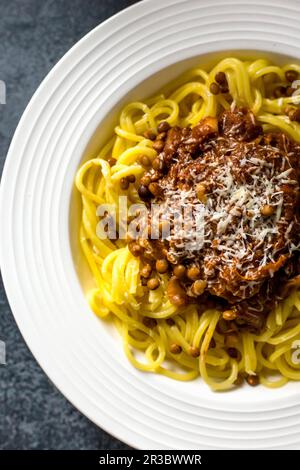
(190, 226)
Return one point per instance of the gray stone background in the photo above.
(34, 35)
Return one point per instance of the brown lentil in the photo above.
(193, 273)
(158, 145)
(267, 210)
(112, 161)
(145, 161)
(224, 88)
(270, 78)
(144, 192)
(229, 315)
(163, 126)
(145, 180)
(252, 380)
(291, 75)
(214, 88)
(180, 300)
(157, 164)
(289, 91)
(179, 271)
(220, 78)
(146, 271)
(135, 248)
(233, 353)
(149, 322)
(199, 286)
(131, 178)
(153, 283)
(162, 266)
(150, 134)
(124, 183)
(279, 91)
(194, 351)
(175, 348)
(155, 189)
(239, 380)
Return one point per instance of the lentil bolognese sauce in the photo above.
(209, 287)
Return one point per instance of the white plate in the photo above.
(80, 354)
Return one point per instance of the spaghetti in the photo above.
(190, 340)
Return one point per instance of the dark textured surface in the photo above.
(35, 34)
